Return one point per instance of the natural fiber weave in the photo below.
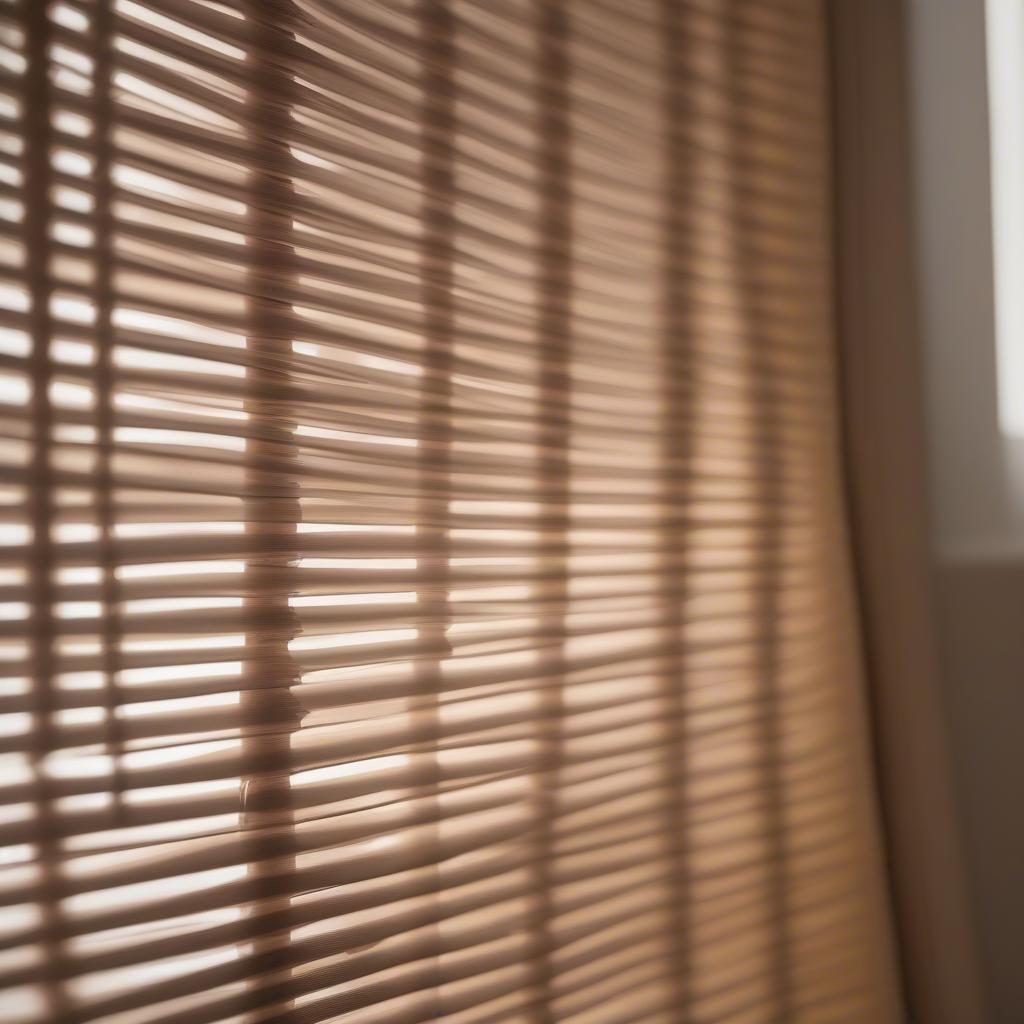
(426, 587)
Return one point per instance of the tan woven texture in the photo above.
(424, 566)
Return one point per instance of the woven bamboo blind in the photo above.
(424, 574)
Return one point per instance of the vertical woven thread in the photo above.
(106, 383)
(769, 548)
(554, 343)
(270, 711)
(678, 401)
(36, 111)
(439, 128)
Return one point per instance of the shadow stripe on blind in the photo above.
(423, 590)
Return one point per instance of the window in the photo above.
(1005, 29)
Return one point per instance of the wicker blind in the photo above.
(424, 574)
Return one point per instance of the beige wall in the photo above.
(981, 614)
(977, 508)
